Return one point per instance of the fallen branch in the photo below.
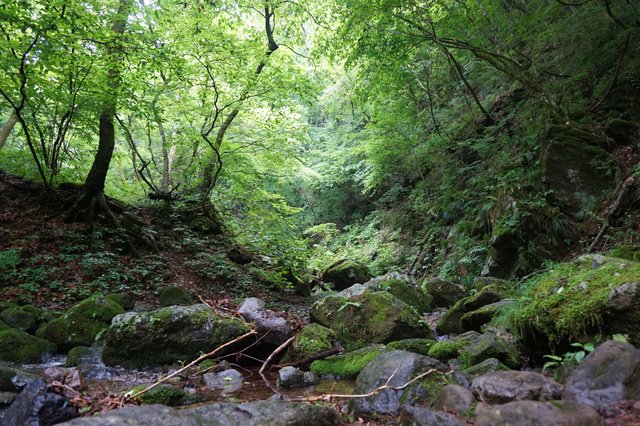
(276, 352)
(194, 362)
(338, 349)
(330, 396)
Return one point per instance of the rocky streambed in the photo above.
(387, 350)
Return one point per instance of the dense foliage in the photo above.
(405, 134)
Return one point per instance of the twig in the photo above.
(330, 396)
(276, 352)
(192, 363)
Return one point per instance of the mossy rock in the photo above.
(504, 285)
(474, 320)
(311, 340)
(13, 379)
(20, 347)
(347, 366)
(123, 299)
(445, 293)
(487, 366)
(76, 355)
(489, 294)
(447, 349)
(629, 252)
(344, 273)
(168, 335)
(82, 324)
(409, 293)
(172, 295)
(571, 302)
(489, 345)
(450, 322)
(5, 304)
(371, 317)
(418, 346)
(163, 394)
(21, 319)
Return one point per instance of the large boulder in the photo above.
(81, 324)
(174, 295)
(20, 347)
(536, 413)
(474, 320)
(573, 170)
(490, 345)
(606, 376)
(260, 413)
(405, 289)
(397, 368)
(372, 317)
(20, 318)
(500, 387)
(454, 398)
(274, 326)
(167, 335)
(344, 273)
(451, 322)
(445, 293)
(591, 295)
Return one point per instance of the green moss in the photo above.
(81, 324)
(569, 300)
(18, 317)
(313, 339)
(173, 295)
(447, 349)
(418, 346)
(409, 294)
(164, 394)
(76, 354)
(347, 366)
(628, 252)
(122, 299)
(18, 346)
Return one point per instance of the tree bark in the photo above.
(7, 128)
(92, 199)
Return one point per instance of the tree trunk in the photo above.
(7, 128)
(92, 200)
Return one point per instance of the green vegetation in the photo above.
(347, 366)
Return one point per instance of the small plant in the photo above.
(569, 358)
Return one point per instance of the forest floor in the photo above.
(53, 264)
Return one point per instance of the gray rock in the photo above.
(606, 376)
(37, 405)
(505, 386)
(489, 345)
(167, 335)
(6, 399)
(401, 367)
(14, 380)
(486, 366)
(445, 293)
(624, 297)
(421, 416)
(535, 413)
(274, 326)
(228, 380)
(260, 413)
(291, 377)
(454, 397)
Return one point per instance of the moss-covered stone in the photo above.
(345, 273)
(168, 335)
(5, 304)
(489, 345)
(488, 294)
(20, 347)
(311, 340)
(347, 366)
(163, 394)
(474, 320)
(484, 367)
(173, 295)
(410, 294)
(445, 293)
(123, 299)
(450, 322)
(13, 379)
(371, 317)
(75, 355)
(418, 346)
(571, 300)
(81, 324)
(447, 349)
(19, 318)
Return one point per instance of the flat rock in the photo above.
(505, 386)
(536, 413)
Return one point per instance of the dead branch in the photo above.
(338, 349)
(331, 396)
(613, 210)
(194, 362)
(276, 352)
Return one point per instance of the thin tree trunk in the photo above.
(7, 128)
